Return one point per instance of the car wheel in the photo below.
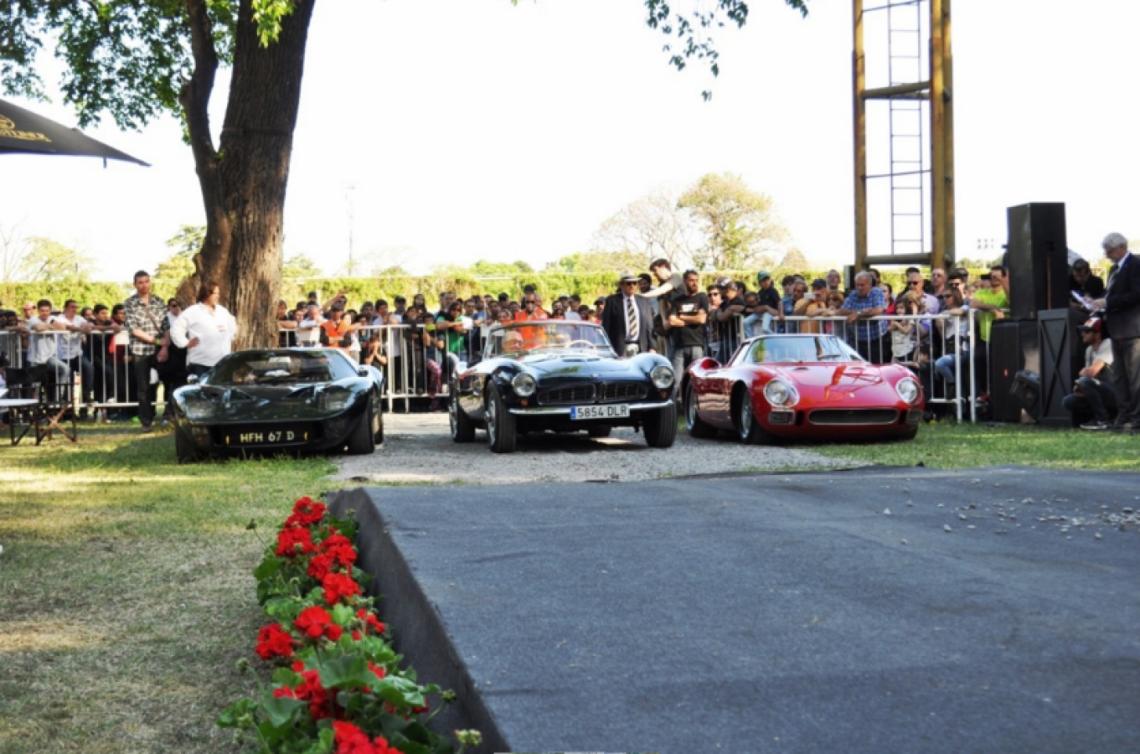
(501, 433)
(661, 427)
(603, 431)
(462, 428)
(378, 428)
(362, 441)
(697, 427)
(747, 428)
(184, 449)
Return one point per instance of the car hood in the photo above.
(259, 402)
(581, 365)
(847, 375)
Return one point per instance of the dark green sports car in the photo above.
(288, 399)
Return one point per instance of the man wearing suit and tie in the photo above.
(1121, 304)
(627, 319)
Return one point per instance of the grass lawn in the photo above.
(125, 590)
(949, 445)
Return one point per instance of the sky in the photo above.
(456, 130)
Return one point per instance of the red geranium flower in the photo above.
(292, 541)
(274, 641)
(320, 565)
(316, 622)
(339, 586)
(379, 670)
(371, 621)
(306, 512)
(340, 547)
(352, 740)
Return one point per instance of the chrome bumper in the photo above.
(565, 410)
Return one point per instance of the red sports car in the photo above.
(809, 386)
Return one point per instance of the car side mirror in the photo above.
(191, 379)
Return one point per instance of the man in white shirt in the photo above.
(206, 330)
(70, 345)
(309, 328)
(43, 330)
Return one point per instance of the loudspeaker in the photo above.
(1062, 356)
(1013, 347)
(1038, 259)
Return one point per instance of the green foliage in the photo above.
(738, 221)
(48, 261)
(300, 267)
(593, 262)
(180, 265)
(86, 293)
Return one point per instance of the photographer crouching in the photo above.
(1093, 402)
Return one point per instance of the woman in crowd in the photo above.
(206, 330)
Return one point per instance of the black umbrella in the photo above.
(24, 131)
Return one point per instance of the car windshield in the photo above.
(547, 335)
(277, 367)
(799, 348)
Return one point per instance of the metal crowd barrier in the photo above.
(918, 342)
(417, 359)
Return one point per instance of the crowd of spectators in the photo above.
(120, 353)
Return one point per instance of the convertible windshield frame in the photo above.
(797, 349)
(517, 339)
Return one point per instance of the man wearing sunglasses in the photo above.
(628, 318)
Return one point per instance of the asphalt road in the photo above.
(872, 610)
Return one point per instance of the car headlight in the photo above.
(334, 399)
(197, 409)
(661, 376)
(907, 389)
(523, 385)
(780, 393)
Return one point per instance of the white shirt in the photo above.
(214, 330)
(573, 316)
(71, 343)
(309, 333)
(1102, 352)
(41, 342)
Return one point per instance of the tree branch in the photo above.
(195, 94)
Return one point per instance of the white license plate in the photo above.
(609, 411)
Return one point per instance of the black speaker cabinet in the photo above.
(1038, 259)
(1062, 356)
(1013, 347)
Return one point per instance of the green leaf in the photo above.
(280, 711)
(343, 671)
(267, 568)
(342, 614)
(283, 609)
(238, 715)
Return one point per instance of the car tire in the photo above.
(502, 433)
(362, 442)
(744, 419)
(661, 427)
(599, 432)
(378, 437)
(184, 449)
(697, 426)
(462, 428)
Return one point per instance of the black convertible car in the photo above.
(289, 399)
(560, 375)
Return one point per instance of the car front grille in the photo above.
(848, 416)
(624, 391)
(565, 396)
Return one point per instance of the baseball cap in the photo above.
(722, 282)
(1092, 324)
(762, 274)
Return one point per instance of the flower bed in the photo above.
(337, 684)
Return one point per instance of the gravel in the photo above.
(417, 449)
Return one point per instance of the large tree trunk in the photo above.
(243, 182)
